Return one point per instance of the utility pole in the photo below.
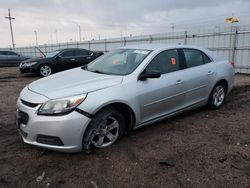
(80, 33)
(11, 30)
(36, 37)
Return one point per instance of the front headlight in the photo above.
(61, 106)
(29, 64)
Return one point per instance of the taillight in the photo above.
(232, 63)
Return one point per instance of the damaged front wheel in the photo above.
(107, 126)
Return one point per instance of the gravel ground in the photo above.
(200, 148)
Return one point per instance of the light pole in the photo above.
(11, 30)
(36, 37)
(56, 36)
(80, 33)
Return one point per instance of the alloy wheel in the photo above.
(45, 70)
(107, 134)
(218, 95)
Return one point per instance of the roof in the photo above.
(70, 49)
(159, 46)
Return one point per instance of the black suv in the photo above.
(10, 58)
(59, 60)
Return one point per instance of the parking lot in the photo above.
(201, 148)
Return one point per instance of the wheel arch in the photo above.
(223, 81)
(46, 63)
(125, 110)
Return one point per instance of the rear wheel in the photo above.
(106, 128)
(217, 96)
(45, 70)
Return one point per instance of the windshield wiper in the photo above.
(85, 67)
(97, 71)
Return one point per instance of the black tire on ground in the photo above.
(105, 129)
(217, 96)
(45, 70)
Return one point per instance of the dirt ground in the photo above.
(200, 148)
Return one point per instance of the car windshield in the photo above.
(52, 54)
(119, 62)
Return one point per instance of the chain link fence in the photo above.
(231, 42)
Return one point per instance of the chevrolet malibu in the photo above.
(127, 88)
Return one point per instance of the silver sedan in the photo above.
(122, 90)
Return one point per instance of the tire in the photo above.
(217, 96)
(105, 129)
(45, 70)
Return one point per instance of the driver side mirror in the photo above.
(149, 74)
(58, 57)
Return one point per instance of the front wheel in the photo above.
(217, 96)
(106, 128)
(45, 70)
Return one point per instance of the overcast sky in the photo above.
(59, 20)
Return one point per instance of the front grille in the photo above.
(50, 140)
(22, 118)
(32, 105)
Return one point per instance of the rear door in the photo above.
(199, 75)
(2, 58)
(164, 95)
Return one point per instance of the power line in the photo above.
(11, 30)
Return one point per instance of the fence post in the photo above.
(235, 37)
(105, 45)
(124, 41)
(185, 40)
(89, 45)
(150, 39)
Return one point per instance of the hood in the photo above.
(37, 59)
(73, 82)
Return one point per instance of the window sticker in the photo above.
(115, 62)
(173, 62)
(145, 52)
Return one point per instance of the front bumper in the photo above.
(27, 69)
(69, 129)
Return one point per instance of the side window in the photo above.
(206, 59)
(165, 62)
(11, 53)
(82, 52)
(67, 53)
(193, 57)
(1, 53)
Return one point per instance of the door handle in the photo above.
(179, 82)
(72, 59)
(88, 57)
(210, 72)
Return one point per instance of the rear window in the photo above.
(195, 58)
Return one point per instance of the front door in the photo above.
(161, 96)
(66, 60)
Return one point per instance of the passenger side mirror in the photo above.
(149, 74)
